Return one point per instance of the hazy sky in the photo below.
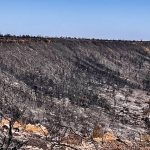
(107, 19)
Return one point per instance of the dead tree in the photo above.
(12, 114)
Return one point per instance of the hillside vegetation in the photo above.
(76, 85)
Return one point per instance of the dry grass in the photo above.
(72, 139)
(30, 128)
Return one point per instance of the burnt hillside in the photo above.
(81, 81)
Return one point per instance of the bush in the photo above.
(146, 82)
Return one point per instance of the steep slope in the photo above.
(79, 82)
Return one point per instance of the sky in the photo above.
(101, 19)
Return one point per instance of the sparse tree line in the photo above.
(95, 41)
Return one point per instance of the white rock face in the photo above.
(120, 96)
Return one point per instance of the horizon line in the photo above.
(65, 37)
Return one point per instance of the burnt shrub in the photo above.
(146, 82)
